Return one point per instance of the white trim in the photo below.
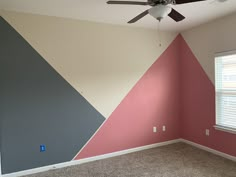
(100, 157)
(226, 53)
(227, 156)
(225, 129)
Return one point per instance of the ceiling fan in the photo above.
(159, 10)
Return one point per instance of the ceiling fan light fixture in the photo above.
(160, 11)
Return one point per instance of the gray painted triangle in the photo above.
(38, 107)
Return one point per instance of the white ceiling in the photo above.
(99, 11)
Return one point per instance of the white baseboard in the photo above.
(77, 162)
(227, 156)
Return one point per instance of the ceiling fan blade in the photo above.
(186, 1)
(138, 17)
(176, 16)
(127, 2)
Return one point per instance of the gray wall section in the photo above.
(38, 107)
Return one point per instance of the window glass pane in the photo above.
(226, 110)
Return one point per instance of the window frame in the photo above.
(216, 126)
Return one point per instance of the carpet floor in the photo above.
(176, 160)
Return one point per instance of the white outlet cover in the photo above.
(207, 132)
(154, 129)
(164, 128)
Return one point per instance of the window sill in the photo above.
(225, 129)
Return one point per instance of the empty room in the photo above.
(103, 88)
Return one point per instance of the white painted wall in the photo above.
(103, 62)
(211, 38)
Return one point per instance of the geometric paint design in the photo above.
(198, 105)
(149, 103)
(38, 107)
(153, 101)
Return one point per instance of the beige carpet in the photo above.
(176, 160)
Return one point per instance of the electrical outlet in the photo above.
(154, 129)
(207, 132)
(164, 128)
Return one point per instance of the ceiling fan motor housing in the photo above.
(158, 2)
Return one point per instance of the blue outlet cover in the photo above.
(42, 148)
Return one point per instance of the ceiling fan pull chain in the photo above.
(159, 32)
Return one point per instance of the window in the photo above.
(225, 87)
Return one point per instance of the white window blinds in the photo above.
(225, 85)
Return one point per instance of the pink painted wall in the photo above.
(174, 92)
(154, 101)
(197, 110)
